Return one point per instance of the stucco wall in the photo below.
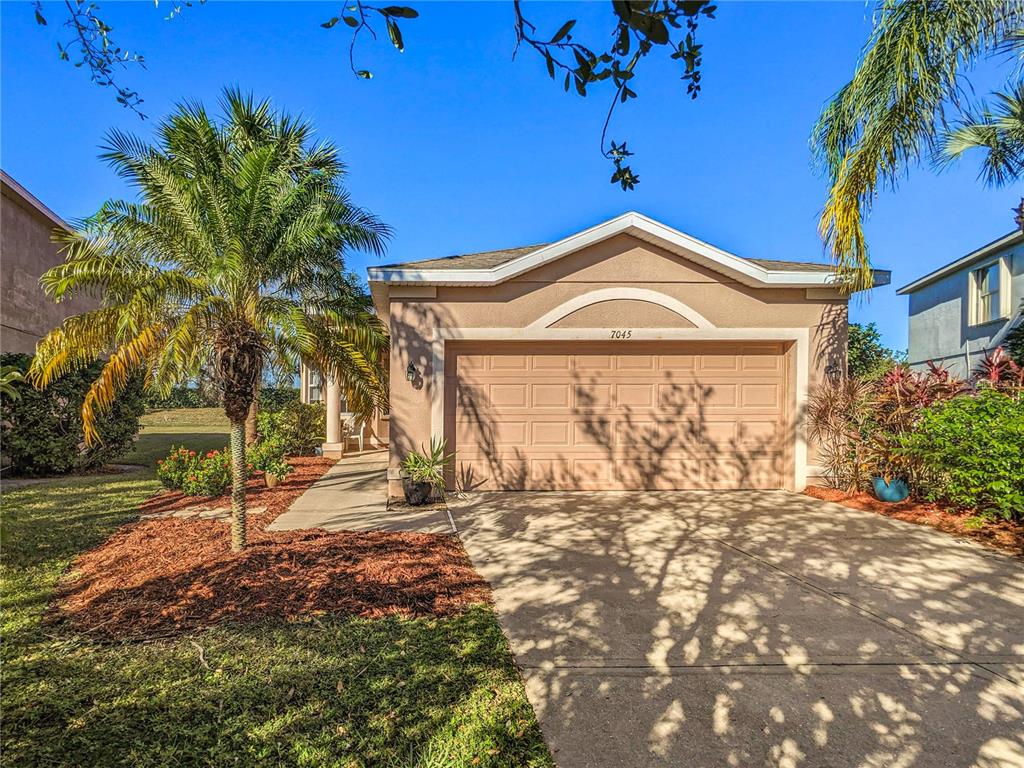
(26, 251)
(938, 319)
(618, 261)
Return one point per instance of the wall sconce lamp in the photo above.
(411, 373)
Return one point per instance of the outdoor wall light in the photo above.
(411, 373)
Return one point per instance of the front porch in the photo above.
(345, 431)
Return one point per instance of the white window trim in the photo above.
(1004, 309)
(800, 337)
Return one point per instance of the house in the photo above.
(27, 250)
(628, 355)
(963, 310)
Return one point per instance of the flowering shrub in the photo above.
(211, 477)
(194, 474)
(173, 470)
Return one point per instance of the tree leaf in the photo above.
(396, 35)
(401, 11)
(351, 21)
(563, 31)
(40, 19)
(331, 23)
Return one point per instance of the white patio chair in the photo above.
(353, 429)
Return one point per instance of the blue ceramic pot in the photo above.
(893, 491)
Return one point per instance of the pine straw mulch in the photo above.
(164, 576)
(1002, 534)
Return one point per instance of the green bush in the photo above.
(299, 428)
(276, 398)
(183, 397)
(971, 451)
(269, 450)
(41, 430)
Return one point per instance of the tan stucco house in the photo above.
(27, 250)
(629, 355)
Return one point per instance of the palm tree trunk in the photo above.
(250, 421)
(238, 532)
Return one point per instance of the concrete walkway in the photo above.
(352, 496)
(752, 629)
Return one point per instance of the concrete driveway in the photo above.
(752, 628)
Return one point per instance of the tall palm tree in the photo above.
(892, 113)
(232, 254)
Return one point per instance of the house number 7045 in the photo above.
(622, 334)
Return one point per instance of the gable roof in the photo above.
(986, 250)
(493, 267)
(8, 182)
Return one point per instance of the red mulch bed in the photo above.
(1002, 535)
(161, 577)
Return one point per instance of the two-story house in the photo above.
(962, 311)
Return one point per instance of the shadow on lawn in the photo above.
(327, 691)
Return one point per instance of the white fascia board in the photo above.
(986, 250)
(629, 223)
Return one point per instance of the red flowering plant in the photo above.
(178, 464)
(211, 477)
(196, 475)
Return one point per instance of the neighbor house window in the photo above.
(986, 294)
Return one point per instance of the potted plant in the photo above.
(276, 470)
(423, 473)
(889, 480)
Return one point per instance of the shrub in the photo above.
(183, 397)
(276, 398)
(971, 449)
(179, 464)
(300, 428)
(267, 451)
(858, 425)
(41, 429)
(211, 477)
(278, 468)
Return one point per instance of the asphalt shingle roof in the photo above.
(490, 259)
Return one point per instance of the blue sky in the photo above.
(460, 148)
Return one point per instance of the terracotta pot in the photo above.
(416, 494)
(272, 481)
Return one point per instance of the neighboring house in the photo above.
(629, 355)
(965, 309)
(27, 250)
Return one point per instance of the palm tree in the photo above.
(998, 131)
(233, 254)
(892, 113)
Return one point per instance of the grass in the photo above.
(202, 429)
(328, 691)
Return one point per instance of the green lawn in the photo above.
(331, 691)
(202, 429)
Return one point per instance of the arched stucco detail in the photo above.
(610, 294)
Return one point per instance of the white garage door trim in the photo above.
(799, 336)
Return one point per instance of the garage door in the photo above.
(561, 416)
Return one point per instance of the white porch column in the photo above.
(334, 447)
